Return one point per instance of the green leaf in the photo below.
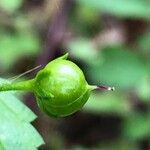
(144, 43)
(143, 90)
(10, 5)
(137, 126)
(121, 8)
(120, 144)
(83, 50)
(13, 46)
(108, 103)
(1, 146)
(16, 130)
(120, 68)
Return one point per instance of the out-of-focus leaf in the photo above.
(86, 19)
(108, 103)
(15, 128)
(143, 90)
(12, 46)
(120, 144)
(10, 5)
(120, 68)
(121, 8)
(87, 15)
(1, 147)
(137, 126)
(83, 50)
(144, 43)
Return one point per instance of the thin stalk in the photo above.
(22, 85)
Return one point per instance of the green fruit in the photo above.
(61, 88)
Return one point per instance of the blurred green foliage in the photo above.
(13, 46)
(106, 103)
(10, 6)
(17, 36)
(121, 8)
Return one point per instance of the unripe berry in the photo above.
(61, 88)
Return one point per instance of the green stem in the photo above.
(22, 85)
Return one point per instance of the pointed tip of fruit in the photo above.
(65, 56)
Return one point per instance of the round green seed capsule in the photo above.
(61, 88)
